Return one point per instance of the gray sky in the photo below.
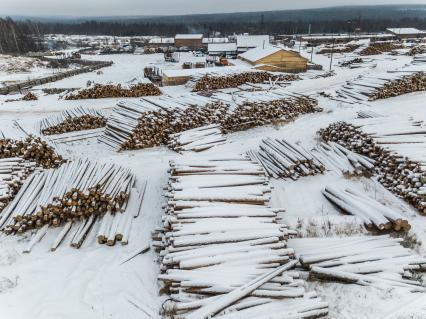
(165, 7)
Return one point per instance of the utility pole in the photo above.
(332, 51)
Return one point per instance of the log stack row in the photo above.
(416, 50)
(210, 82)
(75, 196)
(100, 91)
(197, 140)
(380, 47)
(222, 251)
(405, 178)
(345, 49)
(378, 261)
(407, 84)
(151, 121)
(77, 119)
(283, 159)
(13, 172)
(373, 214)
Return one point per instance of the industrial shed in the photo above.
(406, 33)
(191, 41)
(275, 59)
(248, 42)
(222, 49)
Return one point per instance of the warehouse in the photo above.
(247, 42)
(406, 33)
(275, 59)
(222, 49)
(190, 41)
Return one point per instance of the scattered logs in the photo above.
(209, 82)
(151, 121)
(30, 97)
(77, 119)
(32, 149)
(281, 158)
(197, 140)
(13, 172)
(75, 196)
(378, 261)
(371, 212)
(405, 178)
(380, 47)
(99, 91)
(350, 63)
(222, 250)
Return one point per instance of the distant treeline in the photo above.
(18, 37)
(261, 26)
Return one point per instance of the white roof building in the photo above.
(245, 42)
(215, 40)
(222, 47)
(188, 36)
(406, 32)
(162, 40)
(256, 54)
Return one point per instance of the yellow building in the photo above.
(275, 59)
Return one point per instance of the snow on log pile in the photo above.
(150, 121)
(401, 170)
(74, 197)
(197, 140)
(370, 211)
(77, 119)
(380, 47)
(99, 91)
(13, 172)
(211, 82)
(378, 261)
(222, 251)
(281, 158)
(339, 49)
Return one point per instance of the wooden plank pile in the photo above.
(71, 137)
(404, 177)
(13, 172)
(373, 214)
(197, 140)
(151, 121)
(368, 114)
(74, 196)
(222, 250)
(100, 91)
(283, 159)
(340, 160)
(377, 261)
(380, 47)
(209, 82)
(76, 119)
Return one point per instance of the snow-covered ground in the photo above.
(91, 282)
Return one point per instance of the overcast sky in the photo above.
(165, 7)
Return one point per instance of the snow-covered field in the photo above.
(92, 283)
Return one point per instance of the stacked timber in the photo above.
(74, 197)
(13, 172)
(416, 50)
(373, 214)
(407, 84)
(209, 82)
(32, 149)
(151, 121)
(344, 49)
(380, 47)
(283, 159)
(340, 160)
(77, 119)
(377, 261)
(222, 251)
(404, 177)
(100, 91)
(350, 63)
(30, 97)
(197, 140)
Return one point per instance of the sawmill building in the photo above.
(248, 42)
(275, 59)
(191, 41)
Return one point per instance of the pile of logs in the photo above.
(151, 121)
(77, 119)
(208, 82)
(30, 97)
(407, 84)
(222, 251)
(380, 47)
(197, 140)
(405, 178)
(377, 261)
(13, 172)
(75, 196)
(99, 91)
(345, 49)
(373, 214)
(416, 50)
(340, 160)
(32, 149)
(281, 158)
(349, 63)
